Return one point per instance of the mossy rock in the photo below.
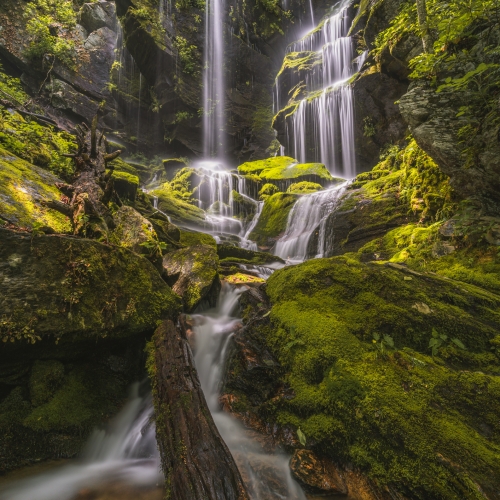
(243, 279)
(232, 254)
(192, 238)
(425, 425)
(172, 166)
(50, 283)
(180, 211)
(126, 185)
(192, 273)
(281, 170)
(132, 230)
(273, 219)
(304, 187)
(23, 188)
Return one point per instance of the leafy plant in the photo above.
(438, 340)
(155, 247)
(383, 343)
(301, 436)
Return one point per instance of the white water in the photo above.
(125, 452)
(213, 331)
(303, 220)
(322, 127)
(213, 81)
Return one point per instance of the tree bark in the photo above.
(86, 200)
(196, 462)
(422, 22)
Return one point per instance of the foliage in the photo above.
(188, 55)
(383, 343)
(438, 339)
(48, 22)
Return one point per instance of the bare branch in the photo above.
(112, 156)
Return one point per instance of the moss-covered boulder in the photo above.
(126, 185)
(233, 254)
(282, 171)
(273, 219)
(192, 273)
(23, 188)
(132, 230)
(49, 288)
(360, 382)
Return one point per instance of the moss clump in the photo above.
(301, 61)
(192, 238)
(273, 219)
(405, 418)
(267, 190)
(304, 187)
(126, 184)
(180, 211)
(23, 188)
(241, 278)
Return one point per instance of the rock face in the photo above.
(432, 119)
(192, 273)
(132, 229)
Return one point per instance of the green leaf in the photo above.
(267, 314)
(458, 343)
(301, 436)
(376, 336)
(388, 340)
(435, 334)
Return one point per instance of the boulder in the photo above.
(132, 229)
(192, 273)
(49, 283)
(93, 16)
(316, 475)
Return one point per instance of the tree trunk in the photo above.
(422, 23)
(196, 462)
(86, 200)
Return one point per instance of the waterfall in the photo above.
(321, 128)
(213, 81)
(124, 452)
(213, 331)
(304, 219)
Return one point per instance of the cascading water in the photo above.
(213, 81)
(213, 331)
(125, 452)
(322, 126)
(303, 220)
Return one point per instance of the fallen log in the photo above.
(196, 462)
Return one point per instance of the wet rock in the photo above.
(316, 475)
(192, 273)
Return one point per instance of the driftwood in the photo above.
(86, 200)
(196, 462)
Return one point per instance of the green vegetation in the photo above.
(191, 238)
(462, 59)
(304, 187)
(22, 189)
(301, 61)
(273, 219)
(38, 144)
(188, 55)
(399, 415)
(280, 168)
(48, 22)
(267, 190)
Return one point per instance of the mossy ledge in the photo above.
(424, 425)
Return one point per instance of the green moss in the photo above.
(37, 144)
(22, 189)
(191, 238)
(241, 278)
(273, 219)
(301, 61)
(304, 187)
(282, 168)
(403, 417)
(233, 254)
(267, 190)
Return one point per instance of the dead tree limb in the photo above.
(196, 462)
(88, 197)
